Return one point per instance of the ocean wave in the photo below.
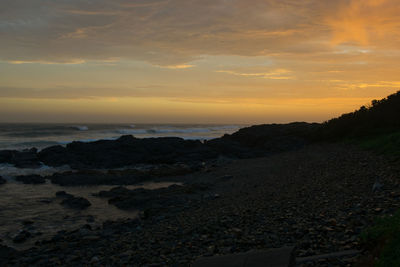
(225, 127)
(172, 130)
(130, 131)
(81, 128)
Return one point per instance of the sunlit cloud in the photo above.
(201, 52)
(278, 74)
(177, 67)
(71, 62)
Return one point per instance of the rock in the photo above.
(377, 186)
(126, 151)
(63, 194)
(95, 259)
(22, 237)
(6, 156)
(5, 253)
(73, 202)
(226, 177)
(90, 219)
(31, 179)
(26, 159)
(91, 177)
(76, 203)
(27, 222)
(151, 200)
(2, 180)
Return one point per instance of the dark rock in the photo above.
(63, 194)
(149, 200)
(6, 156)
(22, 237)
(26, 159)
(2, 180)
(31, 179)
(261, 140)
(54, 156)
(27, 222)
(78, 203)
(90, 219)
(6, 253)
(89, 177)
(126, 151)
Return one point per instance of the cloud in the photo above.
(278, 74)
(161, 32)
(177, 67)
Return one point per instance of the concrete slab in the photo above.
(281, 257)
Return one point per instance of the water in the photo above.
(22, 136)
(37, 203)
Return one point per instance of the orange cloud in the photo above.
(364, 22)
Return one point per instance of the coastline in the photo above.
(318, 198)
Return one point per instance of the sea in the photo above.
(20, 203)
(28, 135)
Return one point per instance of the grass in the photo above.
(388, 144)
(383, 240)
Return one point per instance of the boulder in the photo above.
(6, 156)
(31, 179)
(26, 159)
(73, 202)
(6, 253)
(22, 237)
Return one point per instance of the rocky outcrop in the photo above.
(127, 150)
(261, 140)
(174, 195)
(2, 180)
(31, 179)
(22, 159)
(70, 201)
(22, 237)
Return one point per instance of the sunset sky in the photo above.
(195, 61)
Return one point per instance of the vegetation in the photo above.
(388, 144)
(383, 239)
(381, 117)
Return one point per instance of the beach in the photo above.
(317, 198)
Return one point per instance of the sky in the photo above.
(195, 61)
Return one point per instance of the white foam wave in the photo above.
(172, 130)
(81, 128)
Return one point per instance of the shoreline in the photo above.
(317, 198)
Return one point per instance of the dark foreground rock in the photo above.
(92, 177)
(318, 199)
(70, 201)
(27, 158)
(22, 237)
(122, 177)
(262, 140)
(31, 179)
(2, 180)
(127, 150)
(174, 195)
(5, 254)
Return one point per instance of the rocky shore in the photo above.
(315, 197)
